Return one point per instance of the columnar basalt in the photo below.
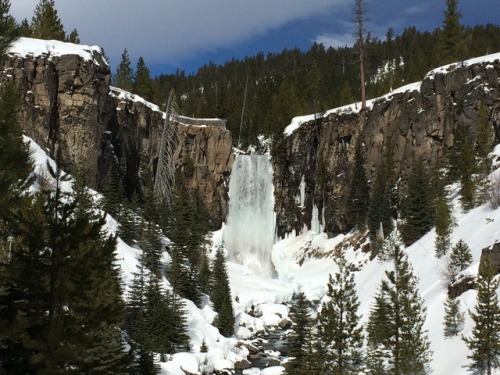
(67, 104)
(419, 121)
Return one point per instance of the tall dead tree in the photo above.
(359, 12)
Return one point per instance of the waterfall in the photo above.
(250, 229)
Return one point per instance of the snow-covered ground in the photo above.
(479, 228)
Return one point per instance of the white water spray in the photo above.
(250, 229)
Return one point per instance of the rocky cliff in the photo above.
(67, 103)
(419, 119)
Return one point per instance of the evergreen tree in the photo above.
(483, 146)
(312, 360)
(484, 343)
(221, 295)
(444, 223)
(418, 209)
(73, 37)
(390, 246)
(46, 24)
(312, 89)
(143, 83)
(137, 302)
(297, 341)
(460, 258)
(124, 76)
(57, 312)
(25, 28)
(205, 274)
(379, 209)
(183, 276)
(379, 330)
(358, 197)
(342, 333)
(113, 195)
(145, 363)
(156, 319)
(463, 165)
(178, 333)
(403, 342)
(453, 41)
(15, 163)
(8, 27)
(106, 355)
(453, 317)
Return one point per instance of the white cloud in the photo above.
(336, 40)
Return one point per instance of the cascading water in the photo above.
(250, 229)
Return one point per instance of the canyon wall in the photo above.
(317, 157)
(67, 103)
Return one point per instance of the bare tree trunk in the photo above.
(359, 11)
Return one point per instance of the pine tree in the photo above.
(143, 83)
(453, 317)
(379, 209)
(483, 146)
(418, 208)
(145, 364)
(312, 89)
(460, 258)
(15, 163)
(46, 24)
(178, 332)
(484, 343)
(221, 295)
(76, 285)
(205, 274)
(453, 41)
(73, 37)
(402, 347)
(113, 195)
(124, 76)
(137, 302)
(8, 27)
(463, 165)
(390, 246)
(25, 28)
(358, 198)
(379, 330)
(183, 276)
(297, 341)
(444, 223)
(342, 333)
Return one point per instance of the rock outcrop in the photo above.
(419, 120)
(67, 103)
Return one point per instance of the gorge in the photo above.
(67, 100)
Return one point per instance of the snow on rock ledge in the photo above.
(26, 47)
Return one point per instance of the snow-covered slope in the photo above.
(479, 228)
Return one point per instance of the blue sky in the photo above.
(187, 34)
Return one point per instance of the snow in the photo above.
(125, 95)
(24, 47)
(356, 107)
(258, 301)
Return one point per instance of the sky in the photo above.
(185, 35)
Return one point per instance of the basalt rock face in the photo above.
(64, 104)
(317, 158)
(67, 103)
(203, 153)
